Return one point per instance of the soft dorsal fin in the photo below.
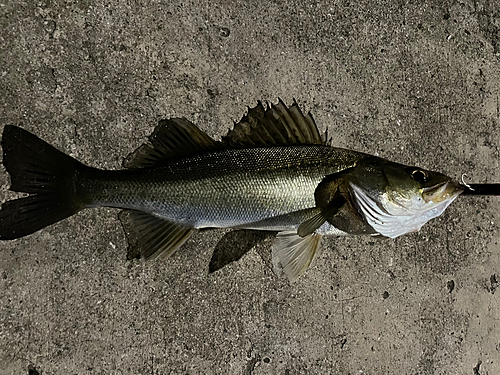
(276, 125)
(172, 138)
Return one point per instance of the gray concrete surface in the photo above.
(416, 83)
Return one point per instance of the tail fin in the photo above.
(47, 174)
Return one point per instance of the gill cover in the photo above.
(395, 199)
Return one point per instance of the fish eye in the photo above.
(420, 176)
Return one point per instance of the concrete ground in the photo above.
(415, 82)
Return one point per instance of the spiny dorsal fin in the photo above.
(157, 237)
(292, 255)
(173, 138)
(276, 125)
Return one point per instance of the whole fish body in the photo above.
(272, 172)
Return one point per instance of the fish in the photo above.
(272, 172)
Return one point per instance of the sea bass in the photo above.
(272, 172)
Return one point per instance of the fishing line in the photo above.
(465, 183)
(481, 189)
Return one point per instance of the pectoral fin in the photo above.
(310, 225)
(292, 255)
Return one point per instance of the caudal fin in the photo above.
(47, 174)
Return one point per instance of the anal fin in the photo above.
(157, 237)
(292, 255)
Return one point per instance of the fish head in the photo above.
(396, 199)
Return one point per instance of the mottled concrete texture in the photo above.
(416, 83)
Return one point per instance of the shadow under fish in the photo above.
(233, 245)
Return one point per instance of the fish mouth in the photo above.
(442, 192)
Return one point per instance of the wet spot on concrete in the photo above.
(450, 285)
(490, 30)
(493, 283)
(224, 31)
(32, 370)
(49, 26)
(343, 342)
(251, 365)
(213, 93)
(476, 369)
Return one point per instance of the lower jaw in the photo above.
(443, 192)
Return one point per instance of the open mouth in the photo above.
(441, 192)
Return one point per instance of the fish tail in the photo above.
(46, 174)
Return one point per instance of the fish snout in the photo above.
(442, 192)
